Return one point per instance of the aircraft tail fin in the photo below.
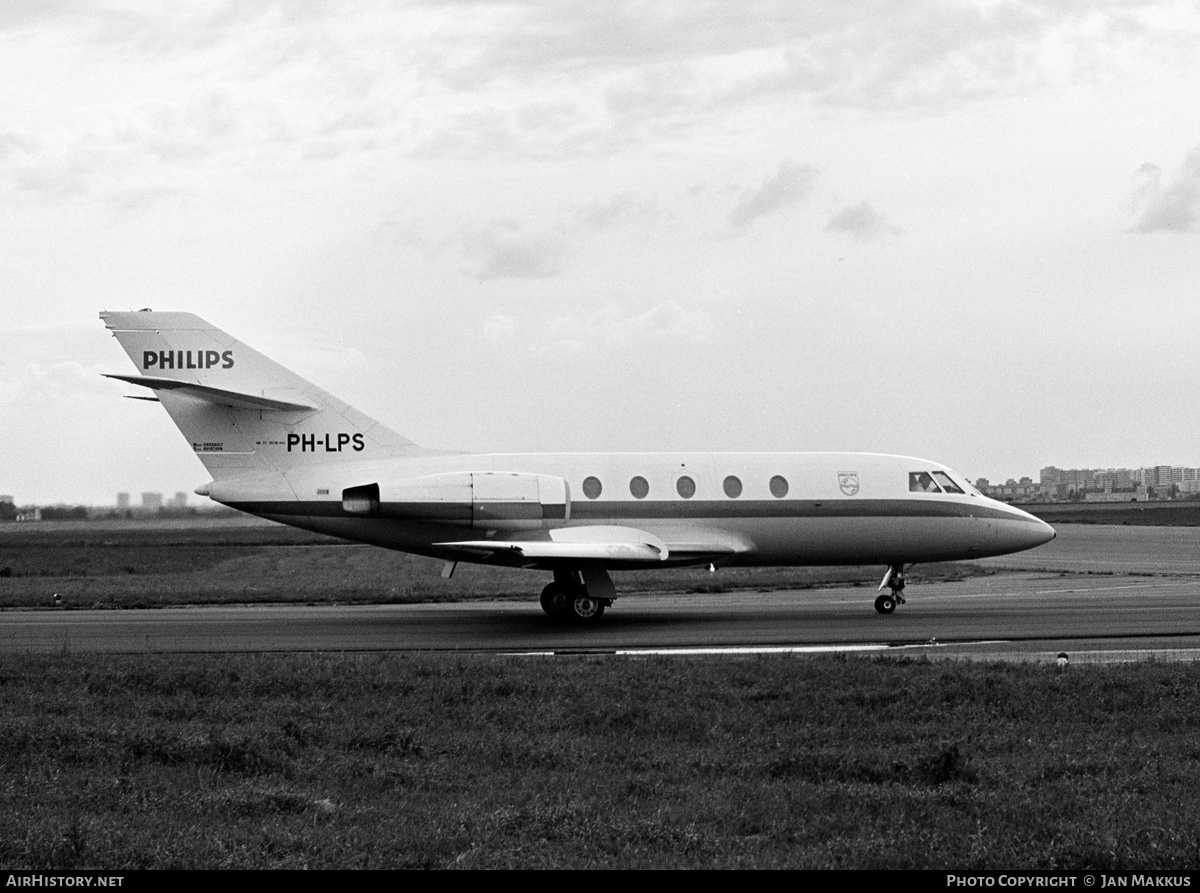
(241, 411)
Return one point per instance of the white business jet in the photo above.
(278, 447)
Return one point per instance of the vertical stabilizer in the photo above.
(241, 412)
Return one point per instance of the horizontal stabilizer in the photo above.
(219, 396)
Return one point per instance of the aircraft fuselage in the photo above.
(756, 508)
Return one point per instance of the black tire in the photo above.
(555, 601)
(885, 604)
(586, 609)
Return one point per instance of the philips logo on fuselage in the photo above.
(186, 359)
(324, 443)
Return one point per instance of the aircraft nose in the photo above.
(1045, 533)
(1026, 531)
(1035, 533)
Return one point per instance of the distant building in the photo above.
(1117, 484)
(1116, 496)
(1050, 475)
(123, 501)
(178, 501)
(151, 502)
(1024, 490)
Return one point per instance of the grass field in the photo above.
(381, 761)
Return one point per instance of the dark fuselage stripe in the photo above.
(678, 510)
(734, 509)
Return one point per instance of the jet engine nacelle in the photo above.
(495, 500)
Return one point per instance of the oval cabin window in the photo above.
(686, 487)
(779, 486)
(591, 487)
(733, 487)
(639, 487)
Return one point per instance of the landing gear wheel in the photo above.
(587, 609)
(555, 601)
(894, 580)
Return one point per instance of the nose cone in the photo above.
(1026, 531)
(1045, 533)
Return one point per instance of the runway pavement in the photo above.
(1112, 548)
(1024, 616)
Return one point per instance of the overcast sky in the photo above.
(967, 231)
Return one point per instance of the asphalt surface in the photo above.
(1012, 615)
(1112, 549)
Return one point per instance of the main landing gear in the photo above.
(579, 596)
(894, 580)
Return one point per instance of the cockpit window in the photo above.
(947, 482)
(922, 482)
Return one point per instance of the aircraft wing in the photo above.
(602, 544)
(562, 551)
(220, 396)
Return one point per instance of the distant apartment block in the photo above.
(1024, 490)
(123, 501)
(151, 502)
(1098, 485)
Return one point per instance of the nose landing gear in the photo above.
(894, 581)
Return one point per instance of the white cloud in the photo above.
(677, 62)
(602, 215)
(503, 250)
(861, 222)
(667, 323)
(40, 384)
(12, 142)
(510, 248)
(788, 187)
(125, 156)
(499, 328)
(564, 78)
(1175, 207)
